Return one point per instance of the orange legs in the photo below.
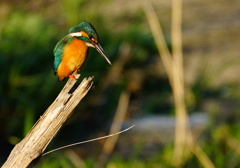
(72, 76)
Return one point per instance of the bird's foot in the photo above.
(72, 77)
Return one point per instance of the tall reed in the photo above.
(173, 63)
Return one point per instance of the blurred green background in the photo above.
(29, 31)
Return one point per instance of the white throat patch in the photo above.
(90, 45)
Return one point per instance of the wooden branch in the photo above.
(36, 141)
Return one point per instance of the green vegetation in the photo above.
(28, 34)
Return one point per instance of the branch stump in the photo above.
(29, 150)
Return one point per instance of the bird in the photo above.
(71, 52)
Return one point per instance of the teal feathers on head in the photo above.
(86, 32)
(87, 28)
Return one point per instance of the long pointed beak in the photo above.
(98, 47)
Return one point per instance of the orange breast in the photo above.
(74, 56)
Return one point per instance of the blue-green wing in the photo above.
(58, 51)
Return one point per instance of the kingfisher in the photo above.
(71, 52)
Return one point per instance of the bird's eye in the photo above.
(92, 39)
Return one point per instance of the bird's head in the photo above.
(87, 33)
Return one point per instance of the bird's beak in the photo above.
(98, 47)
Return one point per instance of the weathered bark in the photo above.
(36, 141)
